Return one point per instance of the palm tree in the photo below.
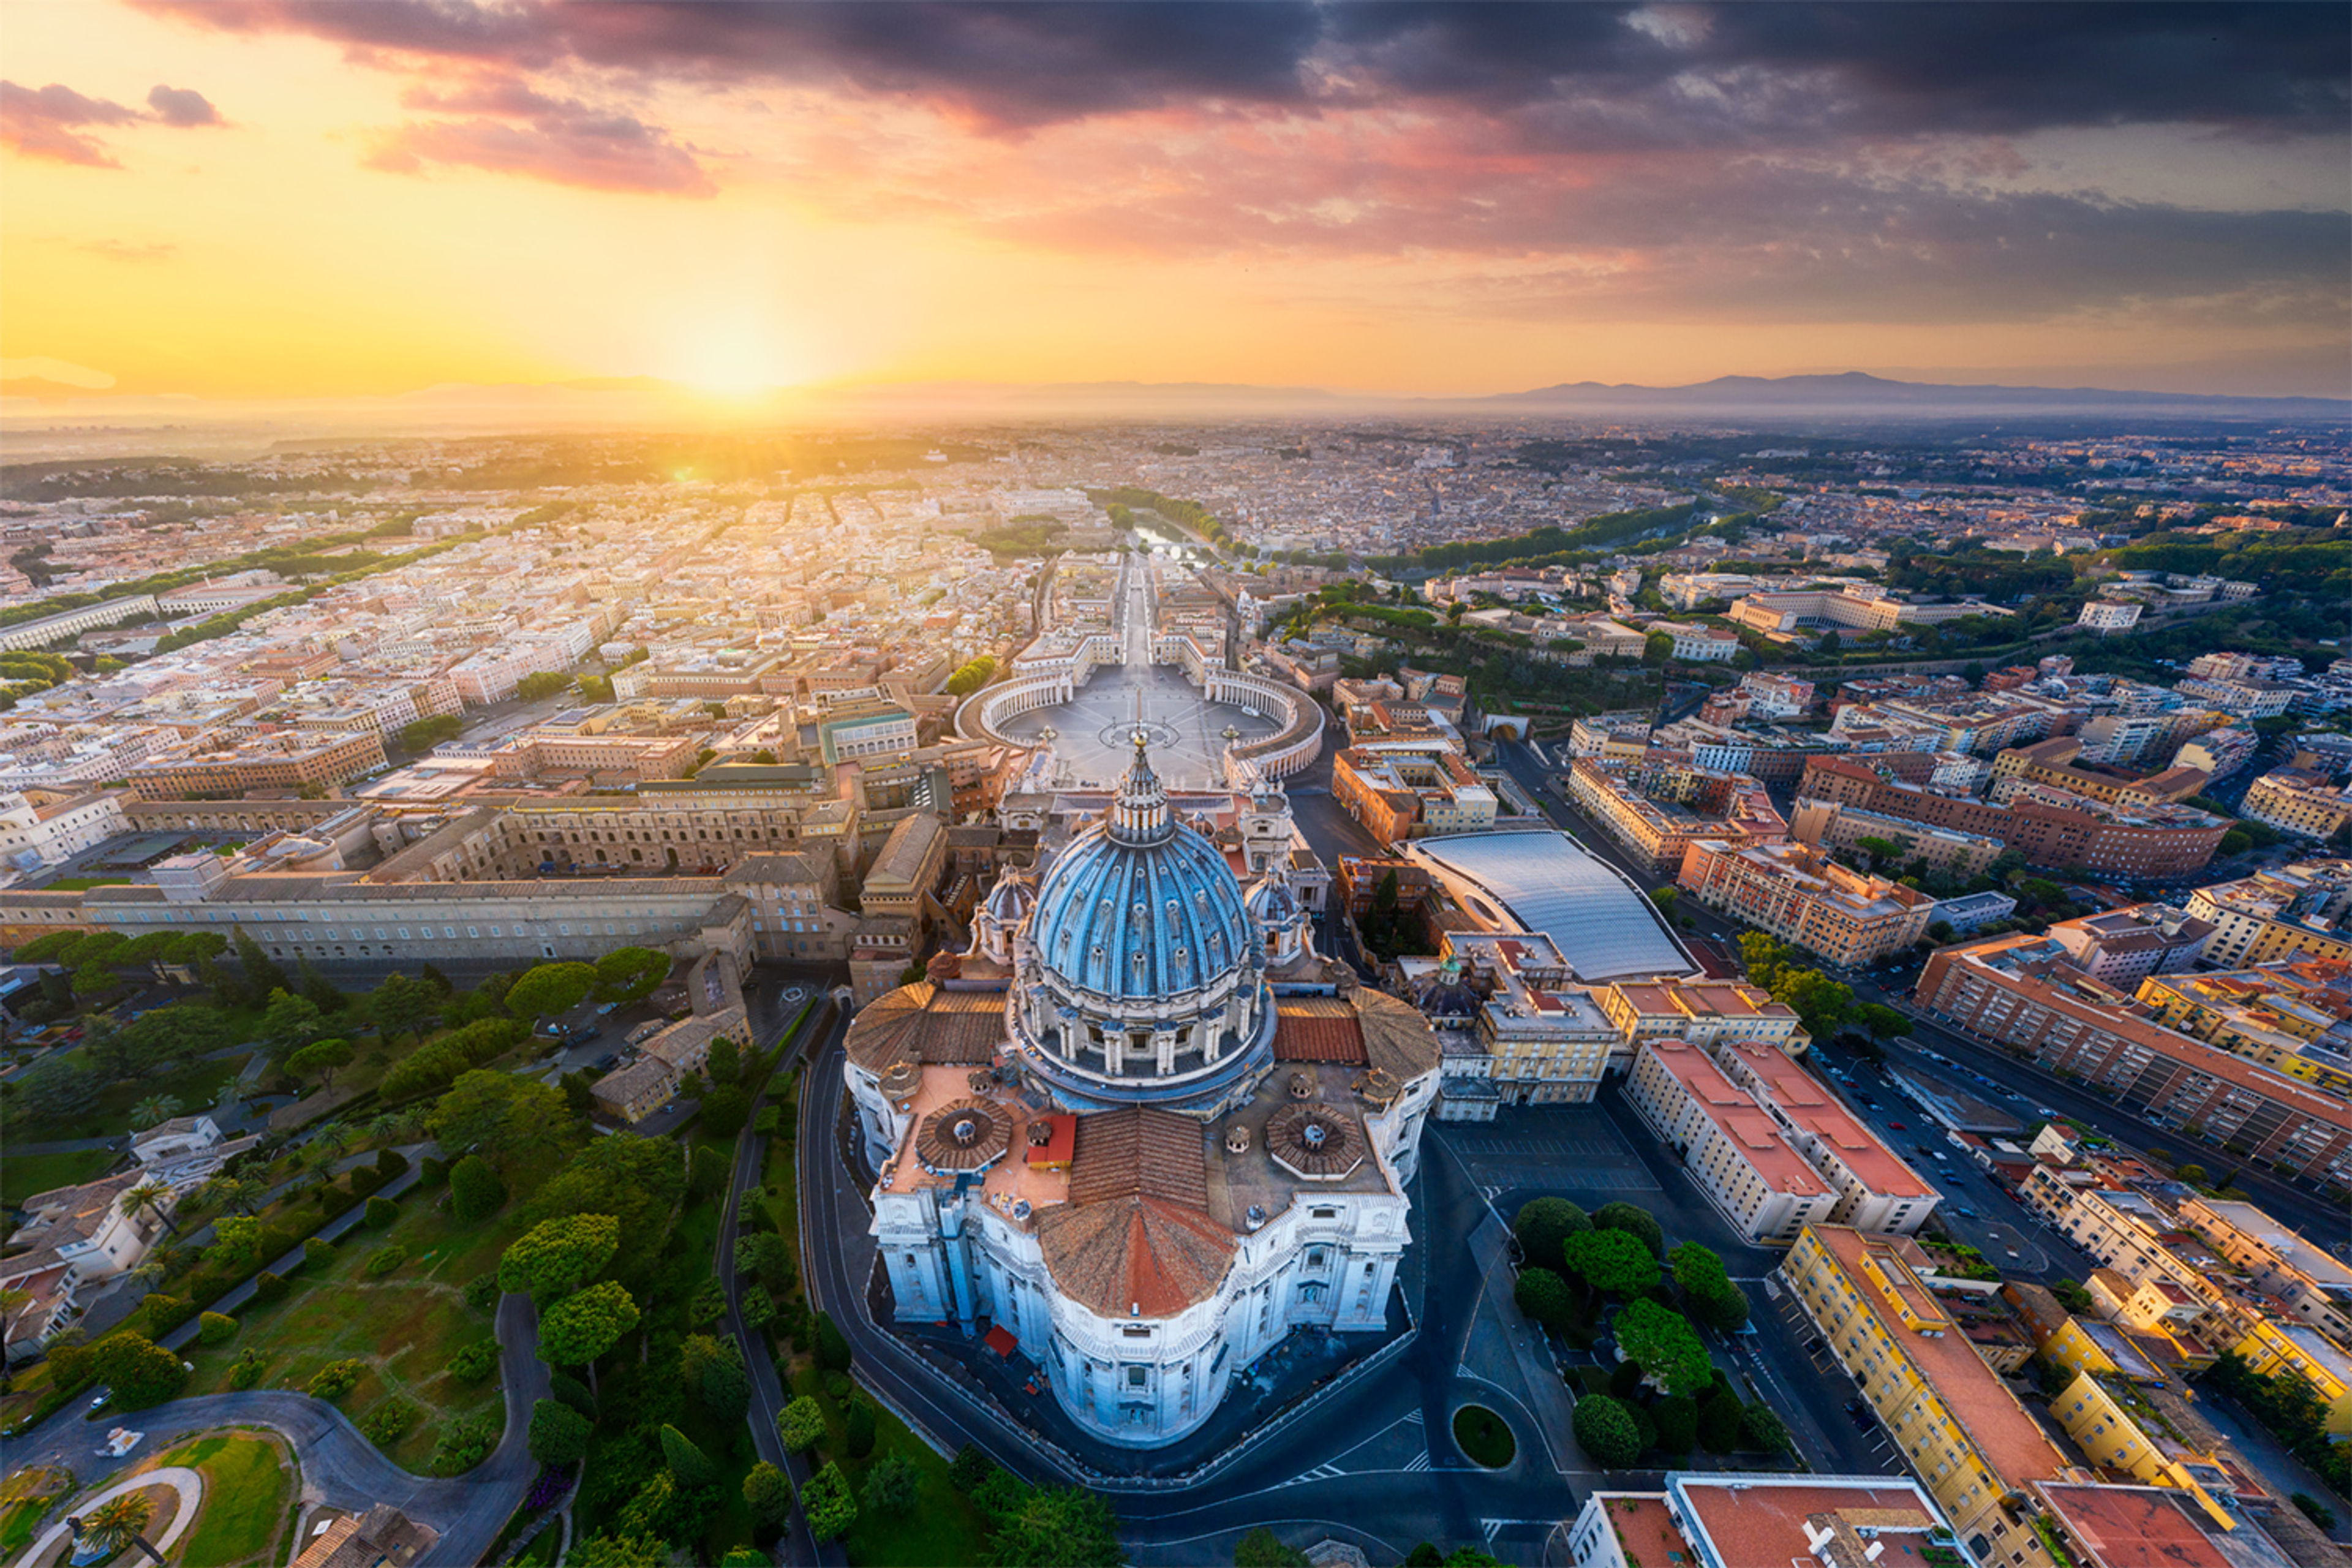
(154, 1111)
(386, 1127)
(233, 1192)
(115, 1524)
(151, 1196)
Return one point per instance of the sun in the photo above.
(740, 358)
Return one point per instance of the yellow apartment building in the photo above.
(1960, 1429)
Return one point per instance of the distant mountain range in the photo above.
(1856, 391)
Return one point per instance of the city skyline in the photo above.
(276, 201)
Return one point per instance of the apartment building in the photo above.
(2304, 1277)
(1877, 1191)
(1797, 894)
(2105, 616)
(1697, 643)
(260, 760)
(2120, 1432)
(1548, 1040)
(1828, 825)
(1740, 1157)
(2293, 1018)
(2304, 803)
(1961, 1430)
(1401, 792)
(1658, 806)
(2121, 947)
(2020, 992)
(2048, 826)
(2048, 762)
(1786, 616)
(2291, 912)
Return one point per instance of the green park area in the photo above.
(250, 1483)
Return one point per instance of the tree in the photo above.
(1612, 1261)
(1761, 1427)
(687, 1461)
(236, 1242)
(1543, 1296)
(514, 1122)
(713, 1368)
(769, 1491)
(141, 1372)
(1883, 1023)
(628, 974)
(1261, 1548)
(1542, 1226)
(826, 1500)
(800, 1426)
(1718, 1427)
(1677, 1420)
(239, 1193)
(1657, 648)
(559, 1434)
(583, 1326)
(832, 1345)
(556, 1256)
(856, 1428)
(1670, 1354)
(402, 1005)
(638, 1181)
(475, 1190)
(320, 1059)
(1634, 1221)
(215, 1328)
(154, 1111)
(115, 1524)
(725, 1110)
(261, 972)
(289, 1023)
(1057, 1527)
(1707, 1287)
(549, 989)
(890, 1485)
(725, 1063)
(322, 992)
(1605, 1431)
(55, 1090)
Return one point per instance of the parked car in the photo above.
(1893, 1126)
(2044, 1112)
(606, 1062)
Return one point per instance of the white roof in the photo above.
(1543, 881)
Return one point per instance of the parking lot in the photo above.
(1570, 1150)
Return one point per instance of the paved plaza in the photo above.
(1187, 731)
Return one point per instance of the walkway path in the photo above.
(343, 1469)
(187, 1483)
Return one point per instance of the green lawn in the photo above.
(22, 1176)
(83, 884)
(248, 1483)
(405, 1326)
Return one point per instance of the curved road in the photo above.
(339, 1464)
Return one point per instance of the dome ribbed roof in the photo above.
(1141, 907)
(1272, 901)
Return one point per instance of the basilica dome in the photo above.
(1142, 976)
(1140, 907)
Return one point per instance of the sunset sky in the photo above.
(287, 198)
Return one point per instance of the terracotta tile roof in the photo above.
(2132, 1527)
(1317, 1029)
(1397, 1038)
(1136, 1152)
(1134, 1255)
(943, 1028)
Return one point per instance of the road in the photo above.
(769, 1395)
(343, 1468)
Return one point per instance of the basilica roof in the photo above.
(928, 1022)
(1141, 907)
(1138, 1255)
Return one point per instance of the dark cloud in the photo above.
(41, 122)
(183, 107)
(1908, 69)
(515, 129)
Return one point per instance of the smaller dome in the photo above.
(1010, 901)
(1271, 903)
(1454, 1000)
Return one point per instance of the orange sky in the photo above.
(275, 199)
